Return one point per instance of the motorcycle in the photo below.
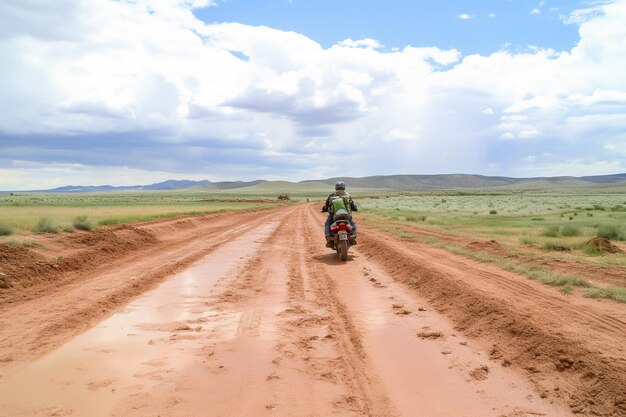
(342, 238)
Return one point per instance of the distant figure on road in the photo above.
(340, 198)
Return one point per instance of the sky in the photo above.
(127, 92)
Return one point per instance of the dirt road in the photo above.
(250, 315)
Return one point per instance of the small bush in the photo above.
(45, 225)
(527, 240)
(555, 247)
(551, 231)
(593, 250)
(82, 223)
(611, 232)
(5, 230)
(612, 293)
(68, 228)
(493, 212)
(570, 230)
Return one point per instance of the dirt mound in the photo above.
(603, 244)
(22, 268)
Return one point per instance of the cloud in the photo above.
(147, 86)
(464, 16)
(361, 43)
(535, 11)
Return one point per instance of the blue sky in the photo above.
(139, 91)
(489, 24)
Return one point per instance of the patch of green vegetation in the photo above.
(493, 212)
(23, 244)
(569, 230)
(611, 232)
(21, 212)
(565, 282)
(45, 225)
(5, 230)
(551, 231)
(554, 246)
(611, 293)
(82, 223)
(592, 250)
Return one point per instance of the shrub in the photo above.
(5, 230)
(493, 212)
(612, 293)
(555, 246)
(593, 250)
(45, 225)
(570, 230)
(82, 223)
(611, 232)
(551, 231)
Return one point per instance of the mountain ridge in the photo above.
(394, 182)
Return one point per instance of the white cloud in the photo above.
(278, 103)
(535, 11)
(464, 16)
(492, 15)
(529, 133)
(398, 134)
(361, 43)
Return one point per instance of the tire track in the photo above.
(570, 348)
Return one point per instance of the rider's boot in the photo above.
(329, 242)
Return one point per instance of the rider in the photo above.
(340, 190)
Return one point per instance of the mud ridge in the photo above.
(591, 381)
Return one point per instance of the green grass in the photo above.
(45, 225)
(21, 212)
(5, 230)
(82, 223)
(611, 232)
(551, 231)
(611, 293)
(565, 282)
(554, 246)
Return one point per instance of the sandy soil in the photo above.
(249, 314)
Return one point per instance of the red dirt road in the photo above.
(250, 315)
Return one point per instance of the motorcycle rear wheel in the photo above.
(342, 249)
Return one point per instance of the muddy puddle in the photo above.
(131, 352)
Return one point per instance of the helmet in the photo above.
(340, 185)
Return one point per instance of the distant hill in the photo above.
(447, 181)
(385, 182)
(160, 186)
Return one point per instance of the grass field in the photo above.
(21, 212)
(514, 218)
(558, 226)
